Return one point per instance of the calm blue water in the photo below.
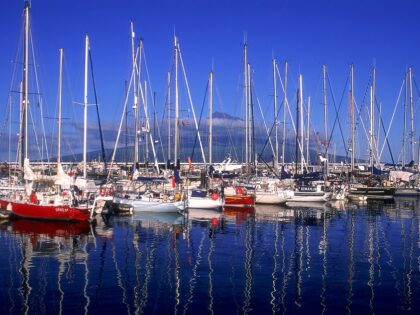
(329, 260)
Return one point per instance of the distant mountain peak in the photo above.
(222, 115)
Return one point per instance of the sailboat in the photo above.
(48, 197)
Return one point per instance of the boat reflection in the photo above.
(204, 214)
(237, 215)
(274, 213)
(48, 228)
(159, 219)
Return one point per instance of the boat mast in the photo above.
(246, 105)
(135, 96)
(285, 105)
(251, 141)
(298, 100)
(276, 151)
(176, 100)
(147, 129)
(301, 122)
(410, 74)
(352, 115)
(211, 117)
(85, 107)
(404, 122)
(372, 120)
(324, 75)
(60, 89)
(307, 130)
(25, 101)
(169, 115)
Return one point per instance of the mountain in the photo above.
(221, 115)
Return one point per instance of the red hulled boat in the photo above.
(238, 197)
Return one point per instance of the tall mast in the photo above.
(146, 109)
(20, 136)
(135, 96)
(169, 115)
(372, 120)
(298, 100)
(285, 104)
(352, 115)
(301, 121)
(246, 105)
(176, 101)
(410, 74)
(85, 107)
(307, 129)
(276, 140)
(324, 75)
(251, 148)
(60, 89)
(404, 121)
(211, 117)
(25, 101)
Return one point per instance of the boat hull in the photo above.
(269, 198)
(240, 201)
(372, 193)
(203, 203)
(138, 205)
(309, 197)
(407, 192)
(46, 212)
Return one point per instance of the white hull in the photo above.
(139, 205)
(309, 197)
(269, 198)
(203, 203)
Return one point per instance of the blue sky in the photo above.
(306, 33)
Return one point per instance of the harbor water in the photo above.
(335, 258)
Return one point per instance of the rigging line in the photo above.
(291, 117)
(229, 131)
(191, 103)
(362, 104)
(266, 141)
(44, 137)
(265, 125)
(337, 112)
(97, 111)
(154, 105)
(362, 122)
(392, 118)
(120, 126)
(199, 120)
(386, 138)
(418, 92)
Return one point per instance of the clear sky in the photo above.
(307, 33)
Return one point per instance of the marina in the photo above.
(286, 200)
(343, 258)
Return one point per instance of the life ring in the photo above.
(214, 196)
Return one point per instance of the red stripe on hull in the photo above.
(240, 200)
(46, 212)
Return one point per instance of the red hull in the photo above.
(34, 211)
(52, 229)
(247, 200)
